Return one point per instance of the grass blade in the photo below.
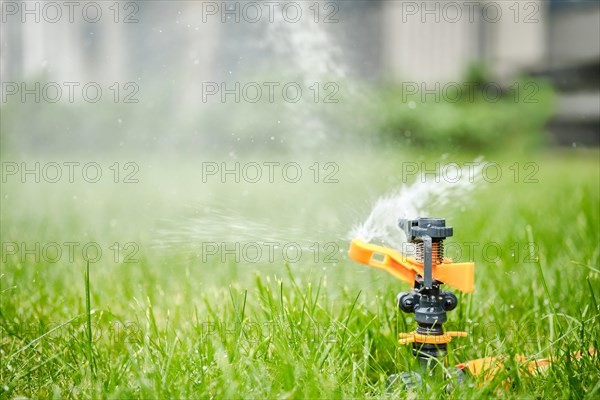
(88, 312)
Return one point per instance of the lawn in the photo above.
(167, 312)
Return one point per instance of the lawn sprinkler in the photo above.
(426, 272)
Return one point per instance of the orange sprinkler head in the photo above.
(459, 276)
(425, 273)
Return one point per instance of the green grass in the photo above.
(172, 326)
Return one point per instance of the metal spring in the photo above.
(437, 252)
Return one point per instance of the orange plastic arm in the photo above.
(487, 367)
(459, 276)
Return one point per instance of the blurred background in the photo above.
(164, 88)
(527, 73)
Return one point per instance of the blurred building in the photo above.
(573, 65)
(426, 42)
